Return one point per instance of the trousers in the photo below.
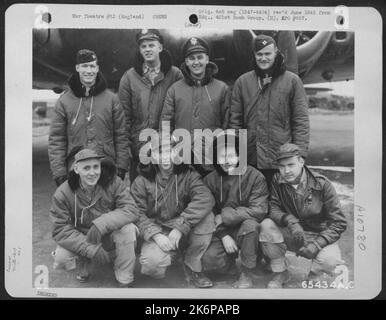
(120, 245)
(275, 241)
(216, 257)
(154, 261)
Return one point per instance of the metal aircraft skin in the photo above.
(316, 56)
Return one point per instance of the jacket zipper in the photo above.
(269, 113)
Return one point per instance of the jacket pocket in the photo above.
(109, 149)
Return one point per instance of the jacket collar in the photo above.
(276, 70)
(310, 178)
(149, 171)
(210, 71)
(82, 194)
(79, 89)
(165, 58)
(313, 183)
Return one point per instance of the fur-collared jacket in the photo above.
(274, 112)
(96, 121)
(190, 104)
(184, 202)
(73, 213)
(141, 100)
(239, 197)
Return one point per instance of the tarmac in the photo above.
(103, 277)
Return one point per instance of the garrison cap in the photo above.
(261, 41)
(148, 34)
(85, 55)
(288, 150)
(195, 45)
(86, 154)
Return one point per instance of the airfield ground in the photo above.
(330, 133)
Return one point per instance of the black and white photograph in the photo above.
(194, 158)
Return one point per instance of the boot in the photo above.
(278, 280)
(230, 269)
(83, 267)
(245, 279)
(198, 278)
(125, 285)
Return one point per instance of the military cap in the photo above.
(148, 34)
(288, 150)
(195, 45)
(85, 55)
(86, 154)
(261, 41)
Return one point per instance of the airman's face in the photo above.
(89, 171)
(150, 50)
(290, 168)
(265, 57)
(227, 158)
(163, 157)
(196, 62)
(88, 72)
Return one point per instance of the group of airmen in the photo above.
(110, 208)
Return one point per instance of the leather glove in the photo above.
(295, 230)
(94, 236)
(102, 256)
(60, 180)
(297, 233)
(311, 250)
(121, 173)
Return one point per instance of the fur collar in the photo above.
(149, 171)
(276, 70)
(210, 72)
(79, 90)
(165, 58)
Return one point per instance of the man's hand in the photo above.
(175, 237)
(229, 244)
(60, 180)
(310, 251)
(102, 256)
(297, 234)
(94, 236)
(163, 242)
(218, 220)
